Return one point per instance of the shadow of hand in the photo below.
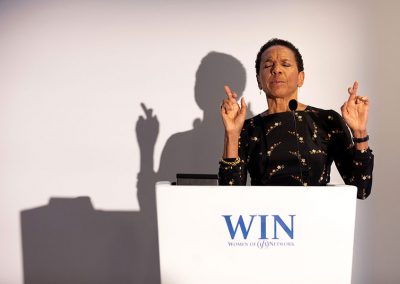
(147, 128)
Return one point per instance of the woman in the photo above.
(283, 147)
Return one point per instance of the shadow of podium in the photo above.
(68, 241)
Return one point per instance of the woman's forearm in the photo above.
(231, 146)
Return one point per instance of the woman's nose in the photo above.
(276, 70)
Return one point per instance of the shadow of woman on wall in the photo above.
(199, 149)
(68, 241)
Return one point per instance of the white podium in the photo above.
(257, 234)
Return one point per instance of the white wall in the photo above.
(74, 73)
(382, 227)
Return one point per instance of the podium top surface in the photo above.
(330, 192)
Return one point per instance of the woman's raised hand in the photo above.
(355, 112)
(232, 114)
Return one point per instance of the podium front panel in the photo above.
(280, 235)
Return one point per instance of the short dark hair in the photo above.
(282, 42)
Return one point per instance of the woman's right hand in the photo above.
(232, 114)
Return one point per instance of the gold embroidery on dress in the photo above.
(299, 117)
(364, 194)
(254, 138)
(272, 127)
(272, 148)
(277, 169)
(365, 177)
(298, 155)
(323, 175)
(300, 138)
(315, 132)
(297, 178)
(337, 131)
(328, 137)
(319, 151)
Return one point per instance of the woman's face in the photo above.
(278, 74)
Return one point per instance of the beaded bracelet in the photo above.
(233, 163)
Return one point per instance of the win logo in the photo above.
(262, 227)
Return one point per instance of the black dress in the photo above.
(269, 147)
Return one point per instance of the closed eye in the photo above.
(286, 64)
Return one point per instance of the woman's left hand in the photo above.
(355, 111)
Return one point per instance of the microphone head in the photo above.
(293, 105)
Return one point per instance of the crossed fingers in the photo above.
(353, 98)
(229, 103)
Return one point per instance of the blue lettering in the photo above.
(240, 223)
(263, 232)
(289, 232)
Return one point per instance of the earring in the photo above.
(260, 92)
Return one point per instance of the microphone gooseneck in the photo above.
(293, 106)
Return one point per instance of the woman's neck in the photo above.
(276, 105)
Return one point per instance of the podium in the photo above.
(256, 234)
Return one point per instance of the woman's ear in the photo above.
(300, 79)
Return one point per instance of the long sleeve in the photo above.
(355, 166)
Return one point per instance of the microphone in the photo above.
(293, 106)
